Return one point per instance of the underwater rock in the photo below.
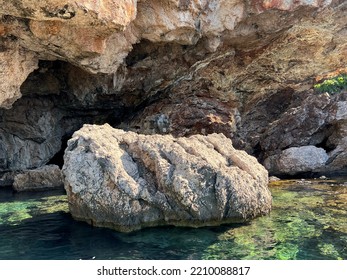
(43, 178)
(127, 181)
(305, 218)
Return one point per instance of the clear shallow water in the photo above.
(308, 221)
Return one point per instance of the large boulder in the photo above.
(297, 160)
(126, 181)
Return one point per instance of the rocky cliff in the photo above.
(244, 68)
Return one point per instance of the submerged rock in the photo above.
(128, 181)
(43, 178)
(300, 214)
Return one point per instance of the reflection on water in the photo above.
(308, 221)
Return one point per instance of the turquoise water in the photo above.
(308, 221)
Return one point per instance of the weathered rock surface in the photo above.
(244, 68)
(29, 135)
(128, 181)
(116, 14)
(16, 64)
(57, 100)
(7, 179)
(98, 36)
(318, 121)
(297, 160)
(338, 139)
(43, 178)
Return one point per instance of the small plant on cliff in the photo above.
(333, 85)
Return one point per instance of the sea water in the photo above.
(308, 221)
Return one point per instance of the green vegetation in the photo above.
(308, 221)
(14, 212)
(333, 85)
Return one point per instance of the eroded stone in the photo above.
(128, 181)
(43, 178)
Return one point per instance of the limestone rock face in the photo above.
(128, 181)
(97, 36)
(338, 139)
(15, 65)
(87, 33)
(298, 125)
(43, 178)
(261, 5)
(117, 14)
(55, 104)
(297, 160)
(319, 122)
(30, 135)
(261, 97)
(244, 68)
(7, 179)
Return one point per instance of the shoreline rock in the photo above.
(297, 160)
(7, 179)
(126, 181)
(43, 178)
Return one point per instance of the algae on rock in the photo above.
(297, 227)
(15, 212)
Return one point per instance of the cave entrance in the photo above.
(57, 99)
(58, 158)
